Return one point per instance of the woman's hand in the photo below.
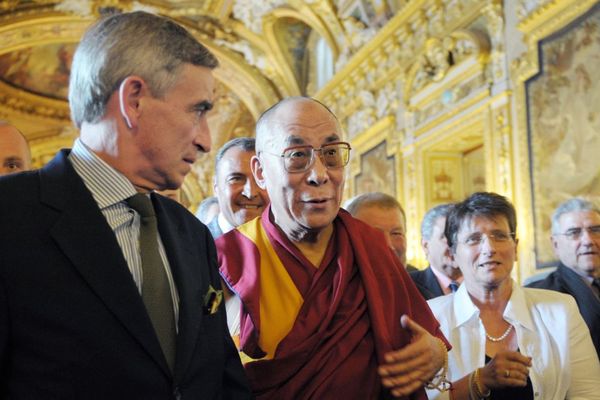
(507, 368)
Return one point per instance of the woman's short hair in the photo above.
(480, 204)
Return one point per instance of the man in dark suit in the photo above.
(576, 243)
(442, 276)
(107, 290)
(240, 198)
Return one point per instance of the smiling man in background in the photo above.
(576, 243)
(240, 199)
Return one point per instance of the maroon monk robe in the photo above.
(349, 319)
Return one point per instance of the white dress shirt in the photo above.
(110, 189)
(549, 329)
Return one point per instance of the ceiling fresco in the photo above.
(263, 47)
(41, 70)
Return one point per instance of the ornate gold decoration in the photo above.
(538, 22)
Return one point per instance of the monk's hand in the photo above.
(507, 368)
(409, 368)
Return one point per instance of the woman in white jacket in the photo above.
(508, 342)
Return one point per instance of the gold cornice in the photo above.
(32, 105)
(551, 16)
(477, 101)
(385, 34)
(398, 30)
(40, 29)
(471, 120)
(543, 22)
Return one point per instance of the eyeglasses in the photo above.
(300, 158)
(498, 237)
(576, 233)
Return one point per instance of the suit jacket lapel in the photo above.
(586, 300)
(433, 283)
(187, 274)
(85, 237)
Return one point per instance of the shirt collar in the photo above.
(464, 309)
(107, 185)
(517, 311)
(224, 224)
(444, 281)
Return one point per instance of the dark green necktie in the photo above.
(156, 292)
(596, 287)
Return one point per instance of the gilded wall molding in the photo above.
(15, 101)
(25, 30)
(539, 23)
(386, 60)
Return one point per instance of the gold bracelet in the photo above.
(472, 395)
(440, 381)
(477, 383)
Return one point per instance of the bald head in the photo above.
(273, 116)
(14, 151)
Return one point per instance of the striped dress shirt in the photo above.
(110, 189)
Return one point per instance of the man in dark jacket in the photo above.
(107, 290)
(576, 242)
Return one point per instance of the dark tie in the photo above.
(453, 286)
(156, 292)
(596, 287)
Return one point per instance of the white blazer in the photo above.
(549, 329)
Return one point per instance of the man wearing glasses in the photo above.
(576, 242)
(322, 294)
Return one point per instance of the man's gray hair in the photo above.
(373, 199)
(574, 204)
(431, 216)
(122, 45)
(264, 125)
(245, 143)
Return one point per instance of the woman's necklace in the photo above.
(499, 338)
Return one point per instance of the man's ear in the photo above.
(257, 172)
(215, 186)
(131, 91)
(554, 246)
(425, 246)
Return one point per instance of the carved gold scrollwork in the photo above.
(441, 55)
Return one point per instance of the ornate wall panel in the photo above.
(552, 77)
(430, 93)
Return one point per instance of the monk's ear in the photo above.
(258, 172)
(131, 91)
